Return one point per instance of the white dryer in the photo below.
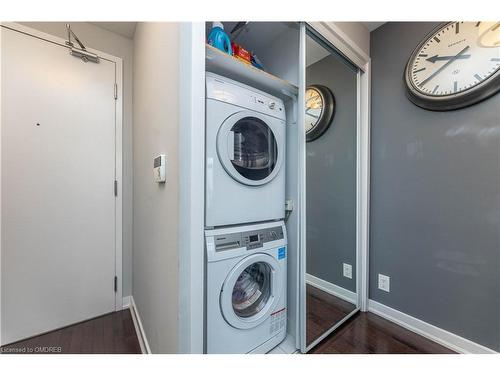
(246, 288)
(245, 154)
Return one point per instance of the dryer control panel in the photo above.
(229, 91)
(251, 239)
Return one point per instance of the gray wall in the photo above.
(156, 207)
(119, 46)
(331, 179)
(435, 199)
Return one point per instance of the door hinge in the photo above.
(116, 91)
(116, 284)
(116, 188)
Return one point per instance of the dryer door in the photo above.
(251, 291)
(250, 147)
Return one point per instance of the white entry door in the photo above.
(58, 201)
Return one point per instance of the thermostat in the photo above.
(159, 168)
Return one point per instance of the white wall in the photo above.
(358, 33)
(116, 45)
(156, 208)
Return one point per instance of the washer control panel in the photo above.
(250, 239)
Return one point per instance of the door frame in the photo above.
(118, 145)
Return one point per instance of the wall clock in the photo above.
(456, 65)
(320, 109)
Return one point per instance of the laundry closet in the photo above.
(254, 186)
(251, 136)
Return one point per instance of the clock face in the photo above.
(314, 108)
(456, 60)
(320, 109)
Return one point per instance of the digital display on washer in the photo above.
(254, 238)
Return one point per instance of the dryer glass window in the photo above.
(252, 290)
(255, 148)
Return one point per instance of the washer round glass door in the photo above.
(251, 291)
(248, 148)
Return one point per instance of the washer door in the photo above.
(249, 148)
(251, 291)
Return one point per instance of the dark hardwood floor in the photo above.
(367, 333)
(108, 334)
(323, 312)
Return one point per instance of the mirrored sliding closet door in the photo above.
(331, 150)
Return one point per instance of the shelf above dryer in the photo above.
(221, 63)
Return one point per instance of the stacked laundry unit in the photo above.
(246, 273)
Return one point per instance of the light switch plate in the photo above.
(347, 270)
(384, 283)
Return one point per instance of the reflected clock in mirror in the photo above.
(320, 109)
(456, 65)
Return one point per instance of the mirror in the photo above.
(331, 120)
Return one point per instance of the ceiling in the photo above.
(126, 29)
(372, 25)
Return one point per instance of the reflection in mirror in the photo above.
(331, 189)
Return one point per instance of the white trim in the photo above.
(436, 334)
(1, 60)
(118, 145)
(302, 219)
(192, 187)
(119, 179)
(363, 190)
(126, 302)
(333, 289)
(139, 329)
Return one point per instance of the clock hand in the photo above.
(435, 58)
(312, 98)
(310, 114)
(444, 66)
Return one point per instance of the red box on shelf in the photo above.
(241, 53)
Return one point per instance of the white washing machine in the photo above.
(246, 288)
(245, 154)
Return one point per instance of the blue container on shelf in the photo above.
(219, 39)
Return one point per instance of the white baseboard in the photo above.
(330, 288)
(438, 335)
(126, 302)
(139, 329)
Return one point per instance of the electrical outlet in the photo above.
(384, 282)
(347, 270)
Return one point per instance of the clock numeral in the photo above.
(457, 28)
(435, 89)
(455, 86)
(436, 39)
(478, 77)
(416, 71)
